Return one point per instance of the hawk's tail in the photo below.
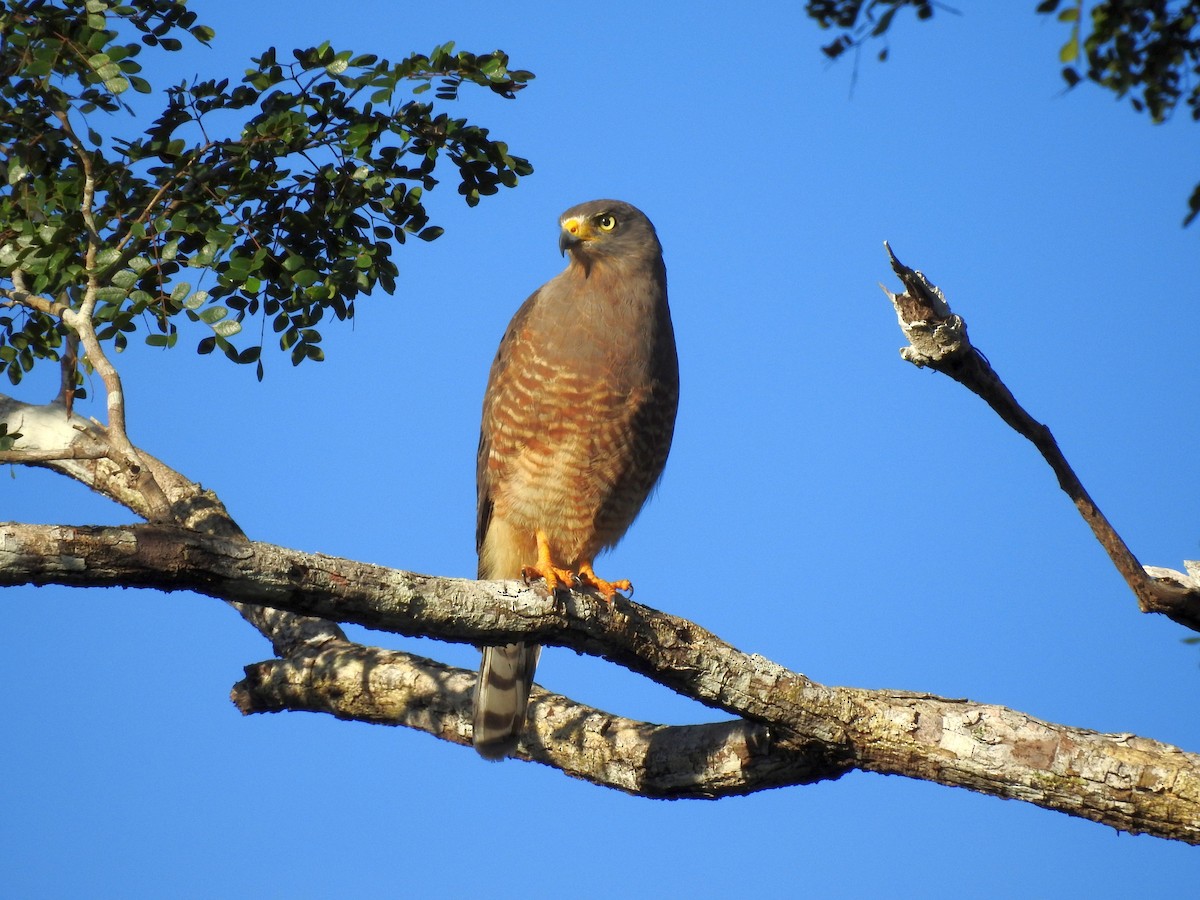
(501, 695)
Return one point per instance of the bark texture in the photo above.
(789, 730)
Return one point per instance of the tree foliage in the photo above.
(276, 200)
(1145, 50)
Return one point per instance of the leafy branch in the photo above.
(286, 211)
(1146, 50)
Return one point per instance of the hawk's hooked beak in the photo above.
(575, 230)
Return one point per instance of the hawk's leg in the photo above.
(545, 568)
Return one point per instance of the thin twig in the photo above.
(81, 322)
(68, 369)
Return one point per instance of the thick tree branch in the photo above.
(1130, 783)
(82, 449)
(387, 687)
(19, 297)
(938, 339)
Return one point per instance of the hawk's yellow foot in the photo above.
(608, 589)
(545, 569)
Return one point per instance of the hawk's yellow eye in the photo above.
(606, 222)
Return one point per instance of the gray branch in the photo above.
(792, 724)
(387, 687)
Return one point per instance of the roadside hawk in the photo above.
(577, 422)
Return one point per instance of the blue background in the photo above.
(826, 504)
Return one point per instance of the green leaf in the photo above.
(1070, 50)
(125, 279)
(8, 438)
(228, 328)
(110, 294)
(1193, 207)
(107, 257)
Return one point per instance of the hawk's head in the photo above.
(602, 229)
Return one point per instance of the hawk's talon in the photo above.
(607, 589)
(584, 578)
(552, 575)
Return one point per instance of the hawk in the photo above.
(577, 423)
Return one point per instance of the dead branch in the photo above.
(938, 340)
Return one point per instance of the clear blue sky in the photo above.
(826, 504)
